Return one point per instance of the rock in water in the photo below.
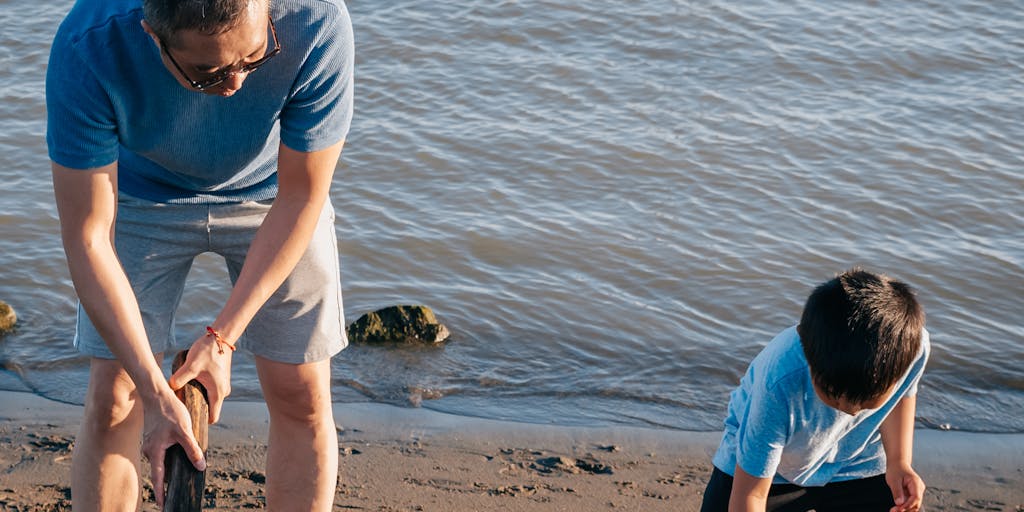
(398, 324)
(7, 318)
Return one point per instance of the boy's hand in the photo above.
(907, 488)
(898, 442)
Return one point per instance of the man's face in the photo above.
(201, 57)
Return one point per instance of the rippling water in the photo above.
(614, 205)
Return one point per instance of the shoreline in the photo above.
(394, 458)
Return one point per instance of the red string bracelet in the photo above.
(220, 340)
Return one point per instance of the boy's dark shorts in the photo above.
(862, 495)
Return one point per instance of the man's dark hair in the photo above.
(167, 17)
(860, 332)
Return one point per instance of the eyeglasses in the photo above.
(218, 78)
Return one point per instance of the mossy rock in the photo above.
(7, 318)
(398, 324)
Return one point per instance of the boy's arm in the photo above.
(898, 442)
(749, 493)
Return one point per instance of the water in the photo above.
(614, 205)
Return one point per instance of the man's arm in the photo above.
(87, 205)
(898, 442)
(304, 180)
(749, 493)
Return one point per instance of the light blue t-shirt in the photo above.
(778, 427)
(110, 98)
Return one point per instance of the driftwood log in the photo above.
(185, 484)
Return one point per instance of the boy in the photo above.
(824, 417)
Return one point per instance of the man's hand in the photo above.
(167, 423)
(907, 488)
(210, 364)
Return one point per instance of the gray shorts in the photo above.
(301, 322)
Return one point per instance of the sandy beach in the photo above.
(397, 459)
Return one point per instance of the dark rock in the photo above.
(513, 490)
(398, 324)
(7, 318)
(256, 477)
(549, 464)
(592, 465)
(568, 465)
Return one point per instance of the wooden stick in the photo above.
(185, 484)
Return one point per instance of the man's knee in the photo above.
(298, 393)
(305, 407)
(111, 400)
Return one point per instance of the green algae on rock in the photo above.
(398, 324)
(7, 318)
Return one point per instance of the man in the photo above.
(199, 126)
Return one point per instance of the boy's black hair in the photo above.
(860, 332)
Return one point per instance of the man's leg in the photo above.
(302, 457)
(105, 465)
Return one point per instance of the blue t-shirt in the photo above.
(778, 427)
(110, 98)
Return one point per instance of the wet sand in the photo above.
(396, 459)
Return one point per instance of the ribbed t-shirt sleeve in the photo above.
(764, 432)
(320, 111)
(81, 132)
